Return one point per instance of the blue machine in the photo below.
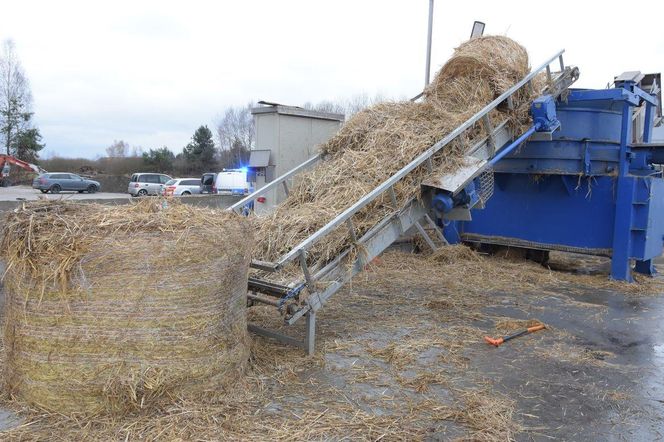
(587, 180)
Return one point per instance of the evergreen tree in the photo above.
(161, 160)
(200, 152)
(28, 144)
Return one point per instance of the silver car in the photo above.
(56, 182)
(182, 187)
(143, 184)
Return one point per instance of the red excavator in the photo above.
(6, 161)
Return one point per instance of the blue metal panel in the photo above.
(650, 199)
(617, 94)
(599, 123)
(563, 157)
(545, 210)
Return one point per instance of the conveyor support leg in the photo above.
(310, 338)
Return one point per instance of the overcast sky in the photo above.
(151, 72)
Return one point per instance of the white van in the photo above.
(232, 182)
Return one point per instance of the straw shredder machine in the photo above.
(582, 178)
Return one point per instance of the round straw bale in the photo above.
(481, 66)
(115, 309)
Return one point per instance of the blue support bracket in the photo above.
(586, 159)
(645, 267)
(624, 209)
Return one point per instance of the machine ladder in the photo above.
(324, 281)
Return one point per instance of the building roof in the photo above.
(295, 112)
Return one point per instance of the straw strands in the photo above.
(468, 270)
(377, 142)
(356, 387)
(116, 309)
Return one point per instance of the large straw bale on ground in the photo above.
(114, 309)
(377, 142)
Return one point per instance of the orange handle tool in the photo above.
(498, 341)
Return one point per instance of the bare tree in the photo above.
(333, 107)
(235, 134)
(137, 151)
(118, 149)
(15, 97)
(347, 106)
(359, 102)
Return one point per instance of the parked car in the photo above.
(208, 183)
(143, 184)
(182, 187)
(56, 182)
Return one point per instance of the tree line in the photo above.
(234, 140)
(235, 133)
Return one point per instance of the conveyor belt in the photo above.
(322, 283)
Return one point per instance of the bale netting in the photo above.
(117, 309)
(377, 142)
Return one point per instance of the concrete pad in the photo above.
(20, 193)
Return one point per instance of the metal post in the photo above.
(351, 229)
(429, 165)
(647, 126)
(310, 337)
(488, 127)
(624, 208)
(427, 73)
(393, 197)
(305, 269)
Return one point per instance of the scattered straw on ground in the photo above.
(391, 365)
(468, 270)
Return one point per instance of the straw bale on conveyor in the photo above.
(377, 142)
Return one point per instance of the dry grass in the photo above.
(468, 270)
(568, 353)
(120, 308)
(276, 401)
(379, 141)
